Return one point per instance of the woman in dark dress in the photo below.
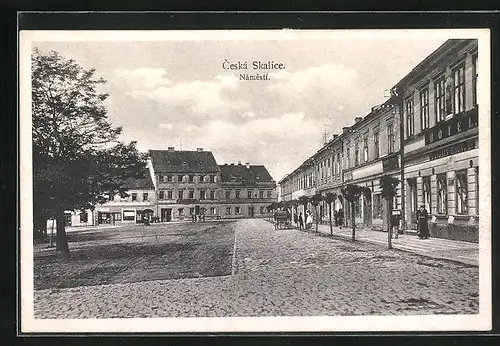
(423, 227)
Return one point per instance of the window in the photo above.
(83, 217)
(356, 153)
(180, 178)
(439, 95)
(365, 149)
(461, 192)
(213, 211)
(144, 196)
(117, 216)
(237, 194)
(228, 194)
(202, 194)
(377, 212)
(169, 178)
(391, 140)
(376, 144)
(169, 194)
(348, 157)
(269, 194)
(237, 210)
(410, 119)
(338, 163)
(181, 194)
(212, 195)
(134, 197)
(191, 211)
(424, 108)
(474, 79)
(441, 194)
(128, 215)
(212, 178)
(261, 194)
(161, 194)
(191, 194)
(165, 178)
(262, 210)
(249, 194)
(228, 210)
(191, 178)
(459, 89)
(477, 190)
(181, 212)
(426, 193)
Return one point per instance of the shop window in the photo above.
(441, 194)
(461, 192)
(128, 215)
(426, 193)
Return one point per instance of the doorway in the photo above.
(251, 212)
(166, 215)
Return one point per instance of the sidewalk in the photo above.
(458, 251)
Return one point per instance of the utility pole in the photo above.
(397, 94)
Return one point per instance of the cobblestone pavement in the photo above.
(285, 273)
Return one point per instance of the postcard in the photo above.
(255, 181)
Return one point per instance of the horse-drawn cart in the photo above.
(282, 219)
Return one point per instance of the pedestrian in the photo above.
(341, 217)
(309, 219)
(336, 218)
(295, 219)
(423, 227)
(301, 221)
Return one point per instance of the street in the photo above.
(284, 273)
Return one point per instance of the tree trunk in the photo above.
(389, 224)
(353, 220)
(317, 216)
(61, 237)
(330, 215)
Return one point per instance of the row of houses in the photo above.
(425, 134)
(181, 185)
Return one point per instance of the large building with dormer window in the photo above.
(441, 168)
(247, 190)
(187, 183)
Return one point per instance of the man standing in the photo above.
(301, 221)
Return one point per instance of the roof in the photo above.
(240, 173)
(144, 182)
(183, 161)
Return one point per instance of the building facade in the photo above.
(441, 167)
(426, 135)
(246, 191)
(188, 184)
(138, 203)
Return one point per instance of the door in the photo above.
(251, 212)
(166, 215)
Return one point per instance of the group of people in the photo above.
(299, 220)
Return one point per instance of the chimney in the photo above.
(247, 164)
(358, 119)
(239, 163)
(345, 129)
(232, 164)
(334, 136)
(171, 148)
(199, 149)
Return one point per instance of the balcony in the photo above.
(458, 123)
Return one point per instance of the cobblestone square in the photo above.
(284, 273)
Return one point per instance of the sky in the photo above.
(177, 93)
